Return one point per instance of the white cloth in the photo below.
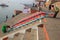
(25, 11)
(40, 21)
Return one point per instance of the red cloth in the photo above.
(43, 14)
(33, 11)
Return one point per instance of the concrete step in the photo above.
(53, 28)
(31, 34)
(41, 33)
(27, 35)
(34, 34)
(18, 37)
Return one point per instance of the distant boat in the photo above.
(3, 5)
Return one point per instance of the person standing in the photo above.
(56, 12)
(54, 9)
(50, 7)
(33, 4)
(6, 17)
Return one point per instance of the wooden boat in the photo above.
(3, 5)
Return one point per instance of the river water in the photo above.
(12, 5)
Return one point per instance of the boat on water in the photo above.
(3, 5)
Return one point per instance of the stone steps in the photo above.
(41, 34)
(30, 34)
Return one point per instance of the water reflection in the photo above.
(13, 5)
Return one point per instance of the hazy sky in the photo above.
(17, 1)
